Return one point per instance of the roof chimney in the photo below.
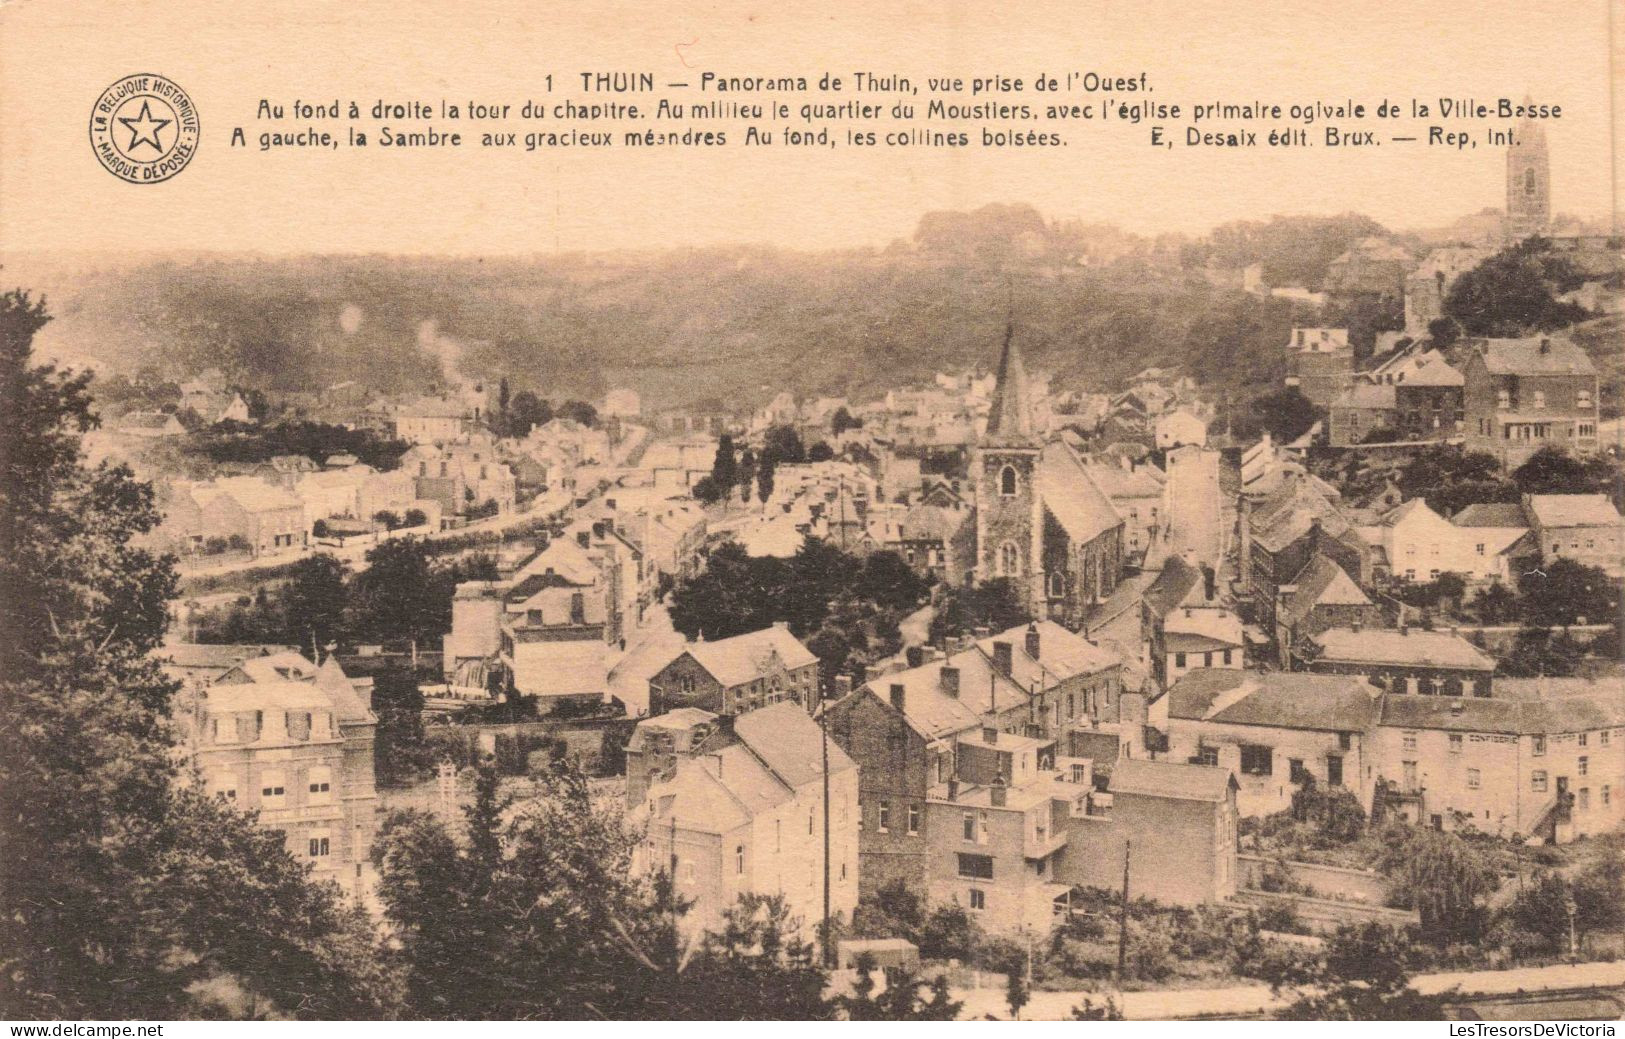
(1404, 628)
(1032, 641)
(583, 537)
(914, 655)
(990, 734)
(898, 694)
(953, 789)
(843, 685)
(950, 681)
(1210, 582)
(1003, 657)
(998, 794)
(1545, 346)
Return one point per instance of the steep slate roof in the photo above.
(1367, 395)
(1275, 699)
(1062, 654)
(1573, 510)
(1072, 496)
(1426, 369)
(930, 712)
(1010, 420)
(202, 655)
(1322, 582)
(1172, 586)
(743, 658)
(1171, 779)
(1287, 513)
(1414, 647)
(250, 696)
(1492, 514)
(1193, 642)
(347, 705)
(1524, 357)
(790, 743)
(1569, 710)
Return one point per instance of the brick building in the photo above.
(1524, 394)
(1275, 731)
(734, 675)
(1404, 660)
(274, 733)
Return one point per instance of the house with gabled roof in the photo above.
(731, 806)
(1524, 394)
(1276, 731)
(291, 740)
(733, 675)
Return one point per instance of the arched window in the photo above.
(1009, 560)
(1528, 182)
(1007, 481)
(1057, 584)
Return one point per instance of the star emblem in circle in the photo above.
(144, 128)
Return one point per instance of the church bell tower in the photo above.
(1008, 518)
(1529, 182)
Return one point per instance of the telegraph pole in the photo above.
(1122, 916)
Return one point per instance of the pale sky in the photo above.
(56, 56)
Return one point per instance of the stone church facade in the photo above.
(1041, 520)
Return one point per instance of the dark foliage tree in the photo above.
(842, 421)
(525, 412)
(1286, 414)
(783, 444)
(707, 491)
(1552, 470)
(579, 411)
(905, 998)
(1541, 652)
(313, 603)
(235, 443)
(403, 595)
(1447, 880)
(536, 914)
(1515, 292)
(996, 605)
(725, 467)
(401, 754)
(1565, 591)
(949, 934)
(820, 452)
(1364, 974)
(121, 885)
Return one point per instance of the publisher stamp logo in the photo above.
(144, 129)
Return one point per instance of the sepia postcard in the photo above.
(1063, 510)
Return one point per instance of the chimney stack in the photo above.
(1032, 640)
(1404, 628)
(1545, 346)
(953, 789)
(1003, 657)
(898, 694)
(990, 734)
(914, 655)
(843, 685)
(950, 681)
(1210, 582)
(582, 538)
(998, 794)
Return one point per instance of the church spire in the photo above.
(1011, 417)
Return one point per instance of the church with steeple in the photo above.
(1042, 522)
(1529, 183)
